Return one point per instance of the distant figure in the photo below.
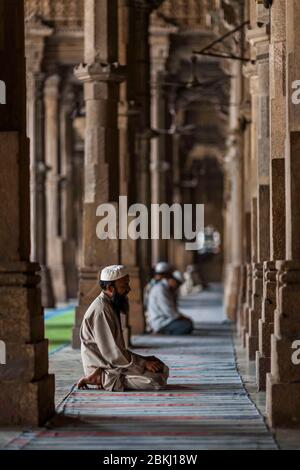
(209, 241)
(163, 314)
(192, 281)
(107, 362)
(162, 270)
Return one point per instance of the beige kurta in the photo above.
(103, 346)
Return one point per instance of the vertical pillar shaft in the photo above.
(36, 32)
(27, 391)
(235, 158)
(128, 115)
(277, 187)
(67, 191)
(259, 40)
(283, 383)
(101, 77)
(142, 11)
(53, 185)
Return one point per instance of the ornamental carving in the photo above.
(66, 13)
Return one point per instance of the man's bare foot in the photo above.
(92, 379)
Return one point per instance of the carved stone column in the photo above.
(27, 391)
(235, 169)
(67, 191)
(283, 383)
(101, 76)
(36, 33)
(245, 285)
(53, 184)
(259, 39)
(129, 114)
(143, 135)
(250, 181)
(277, 186)
(251, 335)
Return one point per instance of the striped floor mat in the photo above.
(204, 407)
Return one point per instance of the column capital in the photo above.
(259, 39)
(36, 31)
(98, 71)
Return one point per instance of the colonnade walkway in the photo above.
(205, 405)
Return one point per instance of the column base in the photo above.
(245, 329)
(283, 403)
(27, 404)
(46, 288)
(265, 332)
(232, 291)
(263, 367)
(251, 346)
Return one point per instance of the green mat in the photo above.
(58, 330)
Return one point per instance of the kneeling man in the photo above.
(164, 316)
(107, 362)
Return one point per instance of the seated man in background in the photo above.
(162, 270)
(107, 362)
(164, 316)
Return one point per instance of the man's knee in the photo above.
(186, 326)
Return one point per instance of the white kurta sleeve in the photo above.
(112, 347)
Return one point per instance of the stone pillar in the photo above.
(283, 383)
(143, 134)
(53, 183)
(78, 169)
(259, 40)
(128, 116)
(250, 200)
(27, 391)
(101, 76)
(277, 187)
(235, 168)
(36, 32)
(245, 285)
(67, 196)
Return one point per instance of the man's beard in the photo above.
(120, 303)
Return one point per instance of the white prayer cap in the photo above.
(178, 277)
(162, 267)
(114, 272)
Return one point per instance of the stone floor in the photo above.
(205, 404)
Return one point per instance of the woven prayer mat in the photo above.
(204, 407)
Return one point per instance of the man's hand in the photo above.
(153, 364)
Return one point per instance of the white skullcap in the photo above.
(178, 277)
(114, 272)
(162, 267)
